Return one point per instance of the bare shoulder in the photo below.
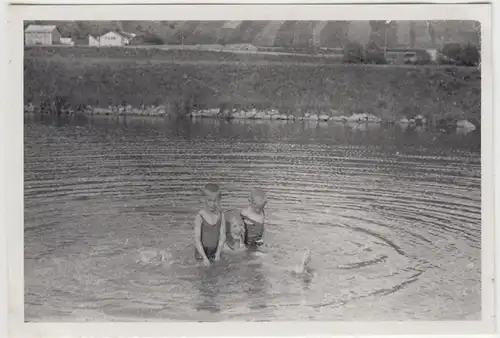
(247, 213)
(253, 216)
(210, 217)
(199, 215)
(205, 214)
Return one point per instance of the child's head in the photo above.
(236, 225)
(258, 199)
(212, 195)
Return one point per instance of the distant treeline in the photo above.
(455, 53)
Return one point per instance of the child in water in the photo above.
(235, 231)
(210, 226)
(254, 217)
(245, 229)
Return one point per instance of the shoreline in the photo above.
(253, 115)
(213, 113)
(200, 85)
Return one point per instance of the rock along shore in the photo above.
(250, 114)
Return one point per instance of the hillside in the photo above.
(420, 34)
(185, 80)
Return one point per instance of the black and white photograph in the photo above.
(253, 170)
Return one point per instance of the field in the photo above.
(204, 79)
(270, 33)
(175, 53)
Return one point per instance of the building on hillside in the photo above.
(433, 53)
(241, 47)
(41, 35)
(129, 36)
(408, 56)
(111, 39)
(93, 41)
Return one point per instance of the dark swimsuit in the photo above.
(209, 238)
(254, 232)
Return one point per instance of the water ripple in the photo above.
(383, 221)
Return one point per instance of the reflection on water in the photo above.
(208, 288)
(392, 218)
(256, 292)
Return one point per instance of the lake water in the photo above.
(392, 218)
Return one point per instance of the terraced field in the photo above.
(281, 33)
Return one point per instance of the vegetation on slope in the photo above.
(386, 91)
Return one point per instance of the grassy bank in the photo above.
(187, 80)
(159, 53)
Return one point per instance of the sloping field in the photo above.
(267, 36)
(248, 31)
(228, 28)
(284, 36)
(316, 32)
(336, 33)
(278, 33)
(206, 31)
(182, 30)
(387, 91)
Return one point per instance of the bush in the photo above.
(457, 54)
(354, 53)
(470, 55)
(422, 57)
(152, 39)
(375, 55)
(113, 78)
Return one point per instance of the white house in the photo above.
(111, 39)
(93, 42)
(41, 35)
(433, 54)
(67, 42)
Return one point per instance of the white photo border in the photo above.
(13, 183)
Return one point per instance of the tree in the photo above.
(432, 33)
(150, 38)
(354, 53)
(467, 55)
(412, 34)
(378, 30)
(374, 54)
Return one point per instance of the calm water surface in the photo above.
(392, 218)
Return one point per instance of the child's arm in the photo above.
(197, 239)
(222, 237)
